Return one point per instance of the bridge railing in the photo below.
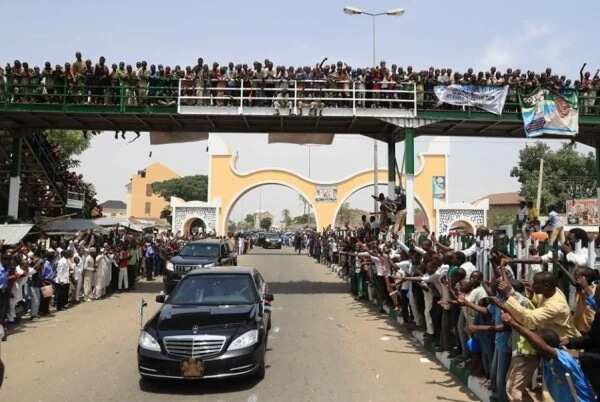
(294, 97)
(264, 97)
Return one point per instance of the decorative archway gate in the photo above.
(227, 185)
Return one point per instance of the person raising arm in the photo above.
(562, 374)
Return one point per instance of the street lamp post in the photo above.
(396, 12)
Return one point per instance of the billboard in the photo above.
(582, 212)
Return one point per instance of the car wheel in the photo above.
(269, 323)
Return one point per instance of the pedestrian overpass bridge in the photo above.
(297, 111)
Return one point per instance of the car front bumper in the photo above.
(229, 364)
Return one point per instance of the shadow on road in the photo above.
(200, 387)
(154, 286)
(307, 287)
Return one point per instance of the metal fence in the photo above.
(296, 97)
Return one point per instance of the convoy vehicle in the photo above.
(272, 240)
(214, 324)
(205, 253)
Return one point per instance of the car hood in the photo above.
(193, 260)
(180, 318)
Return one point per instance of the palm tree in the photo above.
(286, 217)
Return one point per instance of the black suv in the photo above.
(272, 240)
(214, 324)
(206, 253)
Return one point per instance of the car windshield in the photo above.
(200, 250)
(215, 290)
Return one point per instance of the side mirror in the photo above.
(160, 298)
(269, 297)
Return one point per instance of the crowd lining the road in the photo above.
(265, 84)
(522, 315)
(39, 278)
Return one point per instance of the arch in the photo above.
(240, 194)
(365, 185)
(189, 224)
(227, 185)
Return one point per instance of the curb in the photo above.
(460, 373)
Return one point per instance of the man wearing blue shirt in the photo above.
(48, 276)
(562, 374)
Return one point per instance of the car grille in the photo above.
(193, 346)
(184, 269)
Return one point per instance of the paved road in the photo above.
(324, 347)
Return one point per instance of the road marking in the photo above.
(424, 360)
(385, 338)
(276, 329)
(330, 318)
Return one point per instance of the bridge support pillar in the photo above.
(391, 169)
(14, 187)
(409, 167)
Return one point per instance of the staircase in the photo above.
(43, 191)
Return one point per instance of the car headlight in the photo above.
(245, 340)
(211, 265)
(147, 341)
(170, 266)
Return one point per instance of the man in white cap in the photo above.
(89, 272)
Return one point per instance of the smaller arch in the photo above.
(193, 226)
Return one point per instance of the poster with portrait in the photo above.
(439, 187)
(582, 212)
(545, 112)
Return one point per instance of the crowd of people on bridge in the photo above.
(265, 84)
(40, 278)
(503, 325)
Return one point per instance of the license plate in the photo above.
(192, 368)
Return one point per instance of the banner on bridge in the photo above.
(491, 99)
(548, 113)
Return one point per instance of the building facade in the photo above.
(141, 200)
(114, 208)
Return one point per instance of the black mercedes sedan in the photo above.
(214, 324)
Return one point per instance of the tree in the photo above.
(250, 220)
(166, 213)
(68, 143)
(265, 223)
(345, 213)
(287, 219)
(301, 219)
(568, 174)
(188, 188)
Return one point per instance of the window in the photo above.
(215, 290)
(148, 190)
(199, 250)
(147, 208)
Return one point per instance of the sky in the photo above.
(457, 34)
